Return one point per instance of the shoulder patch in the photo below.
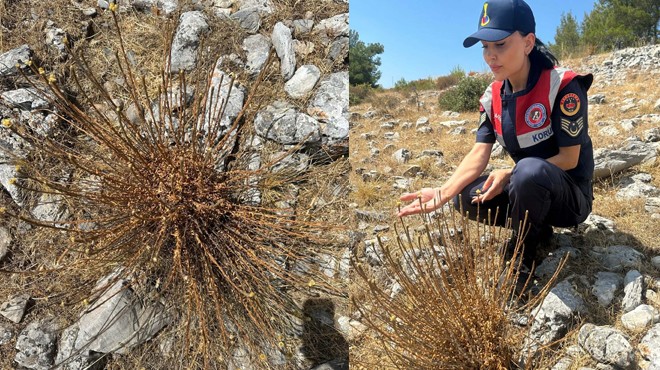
(535, 115)
(570, 104)
(572, 128)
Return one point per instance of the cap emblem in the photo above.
(485, 19)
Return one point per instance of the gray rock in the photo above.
(450, 114)
(649, 346)
(422, 121)
(607, 345)
(283, 124)
(595, 223)
(296, 162)
(6, 334)
(302, 26)
(457, 131)
(11, 58)
(8, 179)
(391, 135)
(25, 98)
(186, 40)
(283, 42)
(5, 242)
(609, 131)
(36, 345)
(655, 261)
(640, 318)
(373, 252)
(166, 6)
(50, 208)
(606, 285)
(618, 257)
(303, 81)
(336, 364)
(248, 19)
(369, 216)
(637, 187)
(633, 291)
(608, 162)
(564, 363)
(262, 6)
(387, 125)
(597, 99)
(221, 85)
(56, 37)
(116, 322)
(626, 107)
(652, 135)
(402, 183)
(412, 171)
(14, 309)
(629, 124)
(338, 50)
(652, 205)
(103, 4)
(330, 106)
(425, 130)
(257, 48)
(451, 124)
(330, 28)
(550, 264)
(402, 155)
(555, 315)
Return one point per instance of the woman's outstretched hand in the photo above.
(424, 200)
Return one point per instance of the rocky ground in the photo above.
(301, 113)
(603, 312)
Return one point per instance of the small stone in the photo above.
(425, 130)
(14, 309)
(606, 285)
(633, 289)
(422, 121)
(649, 346)
(640, 318)
(5, 333)
(303, 81)
(402, 155)
(655, 261)
(606, 345)
(412, 171)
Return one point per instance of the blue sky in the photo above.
(424, 38)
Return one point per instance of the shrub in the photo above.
(465, 96)
(452, 309)
(358, 93)
(165, 197)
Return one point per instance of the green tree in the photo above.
(621, 23)
(567, 38)
(364, 61)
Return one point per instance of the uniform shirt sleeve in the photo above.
(569, 115)
(485, 132)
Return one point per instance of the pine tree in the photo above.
(364, 61)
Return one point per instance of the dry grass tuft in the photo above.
(445, 299)
(166, 197)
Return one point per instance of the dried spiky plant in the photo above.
(166, 198)
(446, 298)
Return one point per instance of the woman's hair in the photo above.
(541, 54)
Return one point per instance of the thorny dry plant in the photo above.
(166, 195)
(446, 298)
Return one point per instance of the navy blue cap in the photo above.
(501, 18)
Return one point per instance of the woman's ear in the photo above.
(530, 40)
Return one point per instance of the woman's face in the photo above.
(506, 58)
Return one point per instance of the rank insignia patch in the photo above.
(482, 119)
(570, 104)
(572, 128)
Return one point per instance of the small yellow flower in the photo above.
(6, 123)
(12, 181)
(311, 283)
(113, 7)
(3, 210)
(280, 344)
(85, 302)
(29, 62)
(393, 317)
(65, 40)
(263, 357)
(17, 65)
(42, 71)
(251, 295)
(18, 168)
(51, 78)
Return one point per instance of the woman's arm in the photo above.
(472, 165)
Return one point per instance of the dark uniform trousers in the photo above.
(546, 192)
